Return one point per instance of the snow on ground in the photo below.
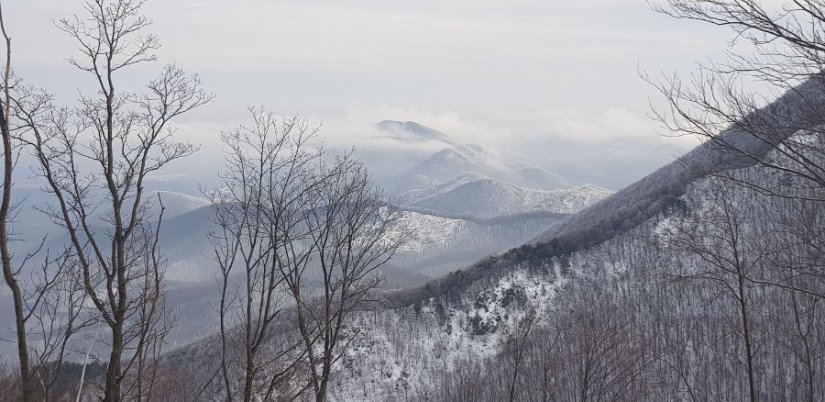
(420, 232)
(485, 197)
(402, 352)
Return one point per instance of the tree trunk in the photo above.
(5, 208)
(743, 308)
(113, 373)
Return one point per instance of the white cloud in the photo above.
(593, 126)
(491, 72)
(506, 130)
(356, 127)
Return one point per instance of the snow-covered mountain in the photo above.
(618, 291)
(435, 245)
(475, 181)
(476, 195)
(450, 163)
(592, 303)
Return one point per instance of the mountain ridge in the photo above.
(800, 108)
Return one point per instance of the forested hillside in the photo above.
(465, 273)
(710, 295)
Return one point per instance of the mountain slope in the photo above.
(412, 131)
(535, 177)
(455, 336)
(595, 300)
(450, 163)
(479, 196)
(618, 255)
(473, 181)
(801, 108)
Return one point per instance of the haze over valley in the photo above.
(207, 200)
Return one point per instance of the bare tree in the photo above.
(602, 355)
(259, 209)
(47, 302)
(723, 102)
(9, 270)
(803, 339)
(465, 383)
(726, 260)
(790, 234)
(792, 241)
(347, 224)
(156, 320)
(516, 349)
(292, 227)
(96, 158)
(749, 255)
(55, 313)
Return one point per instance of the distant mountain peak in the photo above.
(412, 131)
(448, 153)
(473, 149)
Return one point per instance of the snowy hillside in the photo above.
(436, 245)
(639, 201)
(472, 180)
(405, 352)
(475, 195)
(450, 163)
(441, 342)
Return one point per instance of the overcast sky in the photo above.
(502, 73)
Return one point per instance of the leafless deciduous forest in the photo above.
(702, 281)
